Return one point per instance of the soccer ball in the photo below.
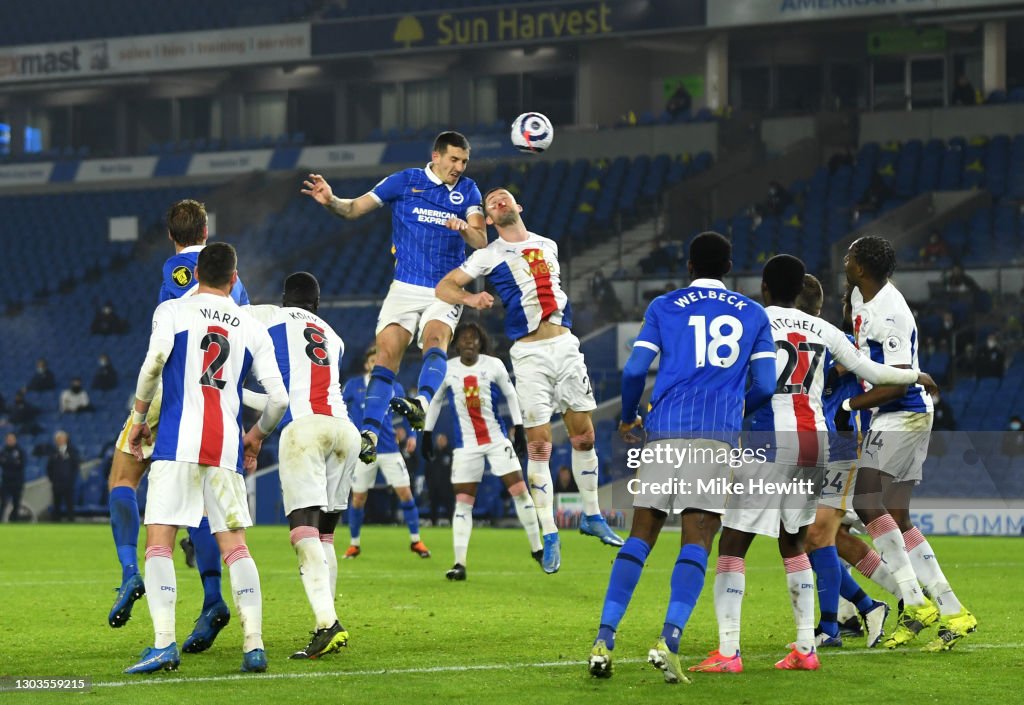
(532, 132)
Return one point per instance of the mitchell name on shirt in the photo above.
(793, 324)
(704, 294)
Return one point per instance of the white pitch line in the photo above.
(481, 667)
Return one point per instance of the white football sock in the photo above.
(332, 562)
(800, 580)
(528, 518)
(245, 586)
(462, 527)
(872, 566)
(584, 469)
(889, 542)
(926, 565)
(315, 574)
(730, 583)
(161, 593)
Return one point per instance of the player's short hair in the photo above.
(301, 289)
(811, 296)
(876, 255)
(217, 262)
(450, 138)
(186, 222)
(475, 327)
(710, 255)
(784, 277)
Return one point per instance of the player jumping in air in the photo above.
(551, 375)
(472, 383)
(319, 447)
(894, 450)
(202, 347)
(436, 212)
(710, 340)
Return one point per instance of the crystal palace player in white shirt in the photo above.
(551, 375)
(792, 431)
(202, 347)
(319, 447)
(896, 446)
(472, 383)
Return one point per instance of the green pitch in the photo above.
(510, 634)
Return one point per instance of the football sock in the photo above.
(538, 473)
(687, 582)
(829, 573)
(332, 562)
(462, 526)
(927, 568)
(626, 569)
(161, 593)
(412, 518)
(379, 392)
(889, 542)
(527, 515)
(245, 586)
(800, 580)
(435, 365)
(730, 583)
(584, 469)
(851, 591)
(207, 562)
(124, 524)
(315, 574)
(355, 523)
(872, 567)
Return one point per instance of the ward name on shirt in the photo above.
(225, 317)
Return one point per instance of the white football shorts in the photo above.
(897, 444)
(551, 376)
(695, 483)
(412, 306)
(838, 483)
(773, 494)
(468, 463)
(318, 455)
(391, 464)
(179, 493)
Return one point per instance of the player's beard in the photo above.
(510, 217)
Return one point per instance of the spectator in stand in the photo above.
(565, 482)
(841, 159)
(1013, 439)
(965, 362)
(963, 92)
(106, 376)
(958, 281)
(439, 480)
(42, 380)
(991, 361)
(776, 201)
(22, 414)
(943, 420)
(679, 103)
(935, 249)
(74, 399)
(877, 193)
(62, 468)
(659, 257)
(12, 463)
(106, 322)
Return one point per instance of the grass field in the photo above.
(509, 634)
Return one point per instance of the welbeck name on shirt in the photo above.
(428, 215)
(704, 294)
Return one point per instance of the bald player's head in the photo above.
(302, 290)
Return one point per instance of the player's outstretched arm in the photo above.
(473, 229)
(317, 188)
(634, 378)
(452, 290)
(762, 374)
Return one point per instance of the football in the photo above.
(532, 132)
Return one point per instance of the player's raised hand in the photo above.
(139, 434)
(456, 224)
(631, 432)
(926, 381)
(480, 301)
(316, 187)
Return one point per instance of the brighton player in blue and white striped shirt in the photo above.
(710, 340)
(436, 212)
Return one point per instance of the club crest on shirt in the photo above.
(456, 198)
(182, 276)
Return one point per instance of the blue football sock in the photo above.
(379, 392)
(626, 569)
(435, 365)
(826, 565)
(124, 524)
(355, 521)
(411, 515)
(687, 582)
(207, 562)
(852, 591)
